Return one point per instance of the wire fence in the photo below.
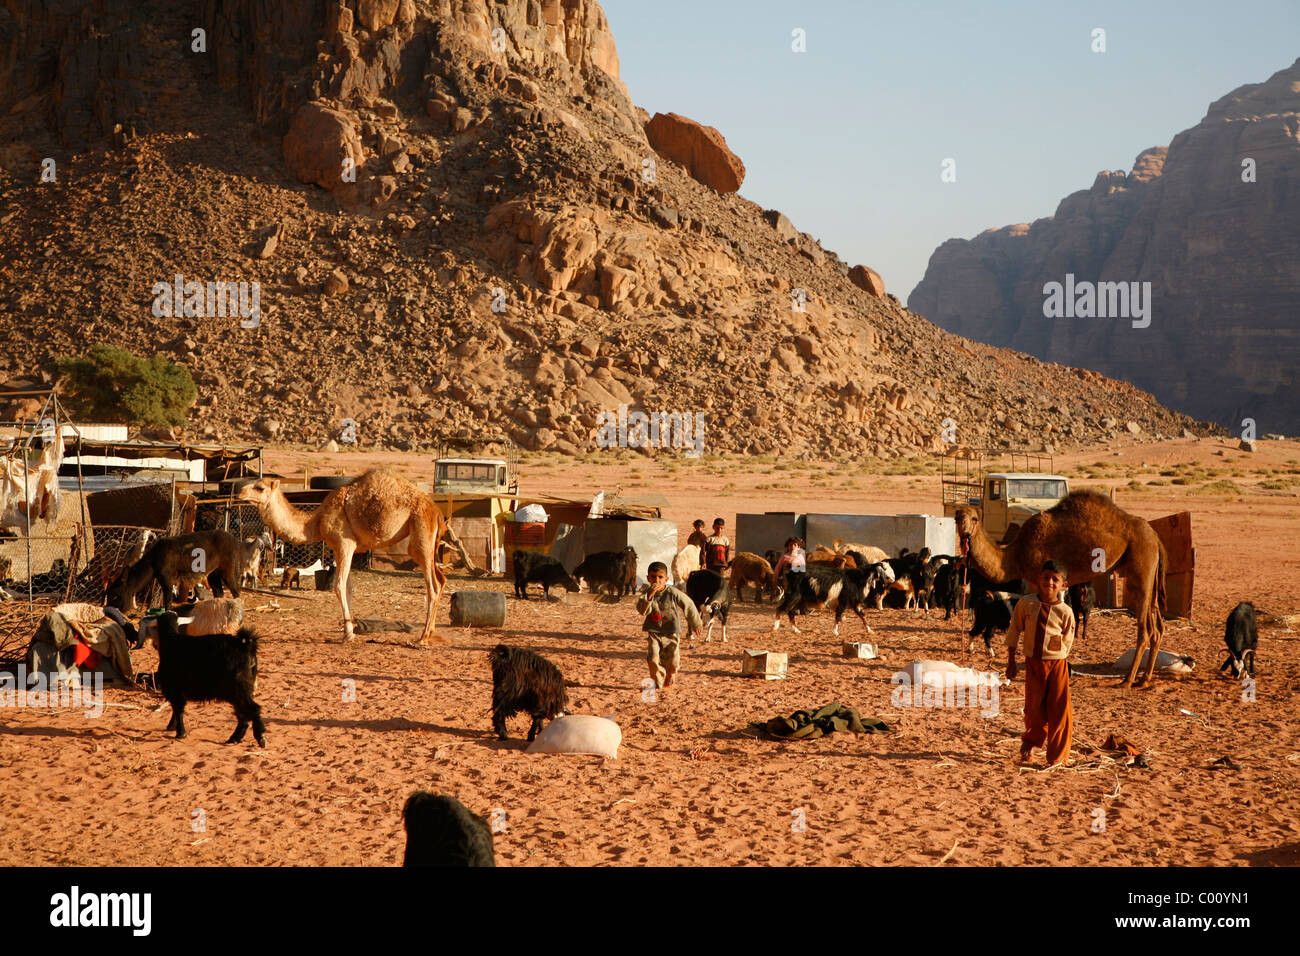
(39, 573)
(245, 522)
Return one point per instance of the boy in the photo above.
(1047, 625)
(698, 537)
(717, 548)
(662, 608)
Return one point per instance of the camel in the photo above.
(377, 510)
(1070, 532)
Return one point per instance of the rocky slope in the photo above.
(1220, 253)
(457, 223)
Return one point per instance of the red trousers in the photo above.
(1049, 719)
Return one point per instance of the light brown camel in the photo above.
(377, 510)
(1071, 532)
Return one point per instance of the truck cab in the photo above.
(476, 466)
(1005, 499)
(471, 476)
(1011, 498)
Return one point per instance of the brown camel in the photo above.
(1071, 532)
(377, 510)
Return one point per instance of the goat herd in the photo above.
(216, 656)
(843, 577)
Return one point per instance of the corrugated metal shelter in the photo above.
(759, 533)
(891, 533)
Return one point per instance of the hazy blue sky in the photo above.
(847, 139)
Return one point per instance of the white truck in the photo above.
(476, 474)
(1006, 499)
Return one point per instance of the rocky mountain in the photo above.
(1212, 222)
(457, 220)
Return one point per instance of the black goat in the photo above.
(534, 567)
(993, 610)
(209, 667)
(1241, 634)
(841, 588)
(215, 556)
(441, 831)
(711, 594)
(613, 569)
(1081, 598)
(524, 681)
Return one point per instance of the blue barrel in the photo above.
(478, 609)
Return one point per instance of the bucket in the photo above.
(478, 609)
(325, 579)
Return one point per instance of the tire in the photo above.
(329, 482)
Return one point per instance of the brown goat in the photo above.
(749, 570)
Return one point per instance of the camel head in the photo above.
(260, 492)
(968, 525)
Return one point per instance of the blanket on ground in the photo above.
(810, 724)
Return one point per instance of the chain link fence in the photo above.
(38, 573)
(244, 522)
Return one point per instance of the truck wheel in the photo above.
(329, 482)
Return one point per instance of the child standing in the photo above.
(698, 538)
(1044, 624)
(663, 608)
(794, 563)
(717, 548)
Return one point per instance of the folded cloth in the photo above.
(1117, 742)
(809, 724)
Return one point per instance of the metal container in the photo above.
(478, 609)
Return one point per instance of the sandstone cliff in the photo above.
(1222, 256)
(457, 223)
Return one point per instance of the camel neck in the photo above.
(988, 557)
(290, 523)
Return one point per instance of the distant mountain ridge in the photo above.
(1222, 254)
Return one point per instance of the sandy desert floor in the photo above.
(693, 784)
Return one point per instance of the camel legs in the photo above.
(344, 548)
(423, 549)
(1140, 599)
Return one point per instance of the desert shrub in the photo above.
(1220, 487)
(109, 384)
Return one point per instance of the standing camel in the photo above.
(377, 510)
(1081, 529)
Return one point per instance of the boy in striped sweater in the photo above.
(1043, 626)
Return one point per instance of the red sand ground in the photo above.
(693, 784)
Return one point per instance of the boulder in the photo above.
(318, 142)
(377, 14)
(701, 149)
(780, 222)
(868, 280)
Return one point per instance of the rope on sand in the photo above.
(948, 856)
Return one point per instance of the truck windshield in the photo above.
(466, 472)
(1036, 488)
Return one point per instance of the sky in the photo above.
(849, 138)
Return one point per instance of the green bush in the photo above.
(109, 384)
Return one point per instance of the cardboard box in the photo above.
(768, 665)
(866, 652)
